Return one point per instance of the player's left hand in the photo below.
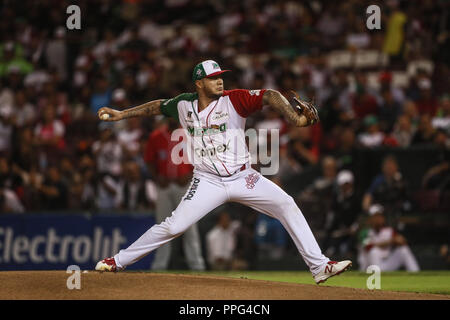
(306, 109)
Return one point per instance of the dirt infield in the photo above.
(154, 286)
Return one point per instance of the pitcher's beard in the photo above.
(215, 96)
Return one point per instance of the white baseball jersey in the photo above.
(373, 238)
(216, 142)
(386, 258)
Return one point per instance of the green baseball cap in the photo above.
(206, 69)
(370, 120)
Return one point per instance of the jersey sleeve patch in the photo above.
(246, 102)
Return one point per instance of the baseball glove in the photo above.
(307, 109)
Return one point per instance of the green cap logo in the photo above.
(205, 69)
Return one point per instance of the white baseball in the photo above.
(104, 116)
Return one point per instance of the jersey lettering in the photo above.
(192, 189)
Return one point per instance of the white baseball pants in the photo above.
(399, 257)
(168, 199)
(207, 192)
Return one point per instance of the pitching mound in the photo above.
(52, 285)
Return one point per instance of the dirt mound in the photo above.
(137, 286)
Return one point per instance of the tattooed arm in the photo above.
(277, 101)
(144, 110)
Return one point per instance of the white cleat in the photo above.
(108, 264)
(332, 268)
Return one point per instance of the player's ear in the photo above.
(199, 84)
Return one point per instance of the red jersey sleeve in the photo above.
(246, 102)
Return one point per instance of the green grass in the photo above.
(425, 281)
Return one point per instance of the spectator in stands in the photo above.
(24, 111)
(32, 198)
(341, 89)
(403, 131)
(12, 59)
(120, 101)
(388, 188)
(442, 118)
(246, 251)
(67, 170)
(322, 187)
(101, 96)
(53, 191)
(427, 102)
(394, 42)
(172, 182)
(134, 47)
(130, 137)
(6, 129)
(108, 46)
(49, 134)
(221, 242)
(108, 193)
(9, 202)
(410, 110)
(88, 179)
(389, 111)
(363, 102)
(83, 65)
(133, 188)
(385, 81)
(320, 193)
(346, 148)
(302, 148)
(372, 136)
(442, 139)
(288, 166)
(342, 225)
(425, 132)
(107, 151)
(270, 237)
(130, 88)
(331, 113)
(331, 26)
(56, 52)
(383, 246)
(10, 177)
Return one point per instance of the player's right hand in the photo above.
(114, 115)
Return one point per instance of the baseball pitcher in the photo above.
(222, 171)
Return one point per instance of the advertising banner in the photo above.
(55, 241)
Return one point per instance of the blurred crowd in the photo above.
(56, 155)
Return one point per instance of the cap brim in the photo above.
(342, 182)
(216, 73)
